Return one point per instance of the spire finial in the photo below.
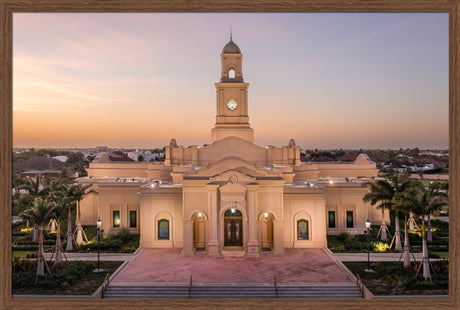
(230, 32)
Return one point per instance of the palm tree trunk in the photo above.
(69, 247)
(406, 252)
(398, 246)
(425, 261)
(58, 243)
(40, 257)
(429, 235)
(79, 240)
(383, 228)
(35, 234)
(411, 222)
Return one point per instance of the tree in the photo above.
(381, 193)
(423, 201)
(40, 214)
(61, 199)
(77, 192)
(36, 189)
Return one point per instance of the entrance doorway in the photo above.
(233, 228)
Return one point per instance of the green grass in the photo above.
(87, 284)
(23, 254)
(390, 278)
(444, 255)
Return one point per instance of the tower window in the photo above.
(231, 73)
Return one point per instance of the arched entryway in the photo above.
(266, 231)
(199, 231)
(233, 227)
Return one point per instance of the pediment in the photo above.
(237, 165)
(232, 147)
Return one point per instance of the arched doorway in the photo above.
(199, 233)
(266, 231)
(233, 228)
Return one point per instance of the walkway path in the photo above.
(168, 266)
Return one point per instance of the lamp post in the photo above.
(368, 231)
(99, 232)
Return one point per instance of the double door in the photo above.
(233, 232)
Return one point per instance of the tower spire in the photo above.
(230, 32)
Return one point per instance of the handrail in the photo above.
(360, 284)
(190, 288)
(276, 286)
(105, 284)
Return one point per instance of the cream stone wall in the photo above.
(155, 206)
(308, 206)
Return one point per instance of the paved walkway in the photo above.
(93, 256)
(168, 266)
(373, 257)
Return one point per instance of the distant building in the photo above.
(231, 195)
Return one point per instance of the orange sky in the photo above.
(138, 80)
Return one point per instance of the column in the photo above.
(188, 237)
(213, 245)
(253, 247)
(278, 248)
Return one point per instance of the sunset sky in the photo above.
(328, 80)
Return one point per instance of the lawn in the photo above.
(390, 278)
(74, 278)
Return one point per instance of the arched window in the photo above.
(302, 230)
(163, 229)
(231, 73)
(233, 212)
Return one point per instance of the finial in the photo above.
(230, 32)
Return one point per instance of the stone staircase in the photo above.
(336, 290)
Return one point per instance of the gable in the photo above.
(232, 147)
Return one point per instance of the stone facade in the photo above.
(232, 196)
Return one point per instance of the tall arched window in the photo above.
(231, 73)
(163, 229)
(302, 230)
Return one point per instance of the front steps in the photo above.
(314, 290)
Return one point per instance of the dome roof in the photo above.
(231, 48)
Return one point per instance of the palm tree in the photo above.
(385, 192)
(40, 214)
(36, 189)
(406, 203)
(422, 201)
(381, 193)
(62, 200)
(77, 192)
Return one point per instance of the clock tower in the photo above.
(232, 98)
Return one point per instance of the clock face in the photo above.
(232, 105)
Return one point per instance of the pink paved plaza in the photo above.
(168, 266)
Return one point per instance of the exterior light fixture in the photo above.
(368, 232)
(233, 210)
(331, 182)
(99, 232)
(368, 224)
(199, 215)
(266, 215)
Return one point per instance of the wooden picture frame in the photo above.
(8, 7)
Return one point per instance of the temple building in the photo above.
(231, 197)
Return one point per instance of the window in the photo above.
(349, 219)
(331, 218)
(163, 230)
(302, 230)
(231, 73)
(116, 218)
(132, 219)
